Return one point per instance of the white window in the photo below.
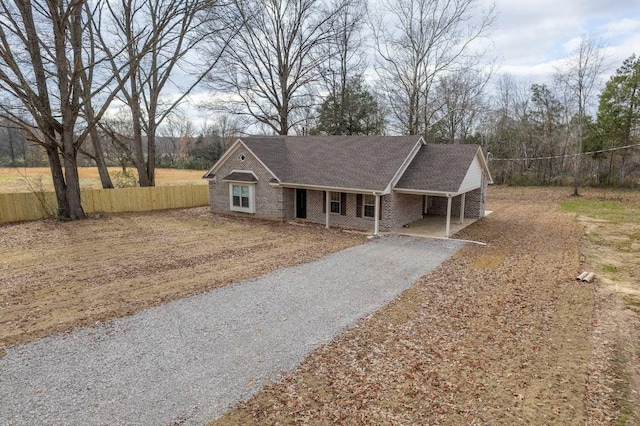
(369, 206)
(242, 198)
(335, 202)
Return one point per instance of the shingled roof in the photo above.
(438, 168)
(350, 162)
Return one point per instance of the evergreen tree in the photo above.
(359, 114)
(618, 114)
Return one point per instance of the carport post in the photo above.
(448, 229)
(376, 215)
(462, 208)
(327, 205)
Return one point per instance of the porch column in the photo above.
(448, 229)
(327, 207)
(376, 216)
(462, 208)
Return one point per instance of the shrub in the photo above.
(125, 179)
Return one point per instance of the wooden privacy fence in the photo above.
(15, 207)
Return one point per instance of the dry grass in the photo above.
(39, 178)
(497, 335)
(55, 276)
(612, 250)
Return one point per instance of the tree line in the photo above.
(103, 82)
(570, 130)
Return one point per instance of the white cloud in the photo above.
(532, 36)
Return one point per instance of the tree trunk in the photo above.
(103, 171)
(71, 176)
(151, 155)
(59, 184)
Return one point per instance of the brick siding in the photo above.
(474, 205)
(271, 202)
(277, 203)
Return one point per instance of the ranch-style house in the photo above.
(376, 183)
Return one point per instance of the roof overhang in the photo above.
(241, 176)
(433, 193)
(484, 165)
(332, 188)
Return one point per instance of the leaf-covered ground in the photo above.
(501, 334)
(55, 276)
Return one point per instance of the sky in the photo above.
(532, 37)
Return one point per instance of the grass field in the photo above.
(28, 179)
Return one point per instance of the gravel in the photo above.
(188, 361)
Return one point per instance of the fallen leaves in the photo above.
(496, 335)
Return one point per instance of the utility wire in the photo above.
(491, 158)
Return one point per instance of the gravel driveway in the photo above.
(188, 361)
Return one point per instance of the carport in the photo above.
(431, 226)
(452, 181)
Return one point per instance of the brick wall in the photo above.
(271, 202)
(474, 204)
(402, 209)
(279, 203)
(350, 220)
(396, 210)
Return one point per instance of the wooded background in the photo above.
(111, 83)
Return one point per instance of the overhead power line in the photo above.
(492, 158)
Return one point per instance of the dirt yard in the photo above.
(55, 276)
(501, 334)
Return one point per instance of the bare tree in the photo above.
(42, 63)
(273, 64)
(461, 102)
(580, 76)
(159, 39)
(418, 41)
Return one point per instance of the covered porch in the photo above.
(432, 226)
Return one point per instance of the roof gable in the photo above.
(235, 147)
(445, 168)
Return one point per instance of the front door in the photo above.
(301, 203)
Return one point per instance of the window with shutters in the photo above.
(335, 202)
(369, 206)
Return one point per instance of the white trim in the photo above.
(405, 164)
(432, 193)
(364, 204)
(462, 201)
(231, 151)
(327, 209)
(252, 197)
(376, 215)
(331, 188)
(485, 166)
(448, 227)
(339, 201)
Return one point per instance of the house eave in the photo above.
(332, 188)
(433, 193)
